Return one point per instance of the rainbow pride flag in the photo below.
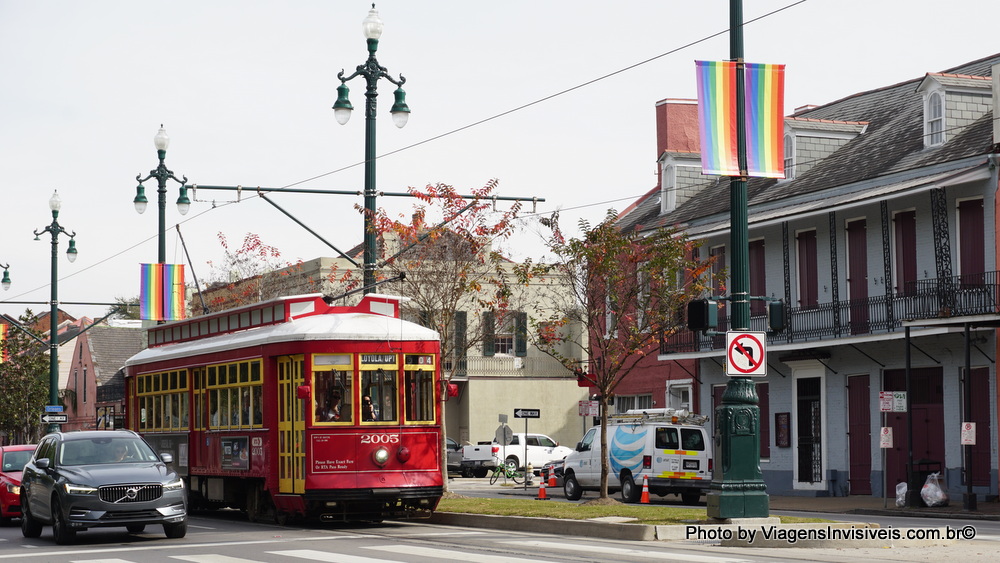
(161, 292)
(764, 99)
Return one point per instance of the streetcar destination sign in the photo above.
(527, 413)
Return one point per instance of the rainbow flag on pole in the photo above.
(161, 292)
(764, 121)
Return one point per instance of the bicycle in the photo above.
(505, 471)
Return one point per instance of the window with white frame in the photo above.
(668, 189)
(503, 338)
(625, 403)
(934, 120)
(789, 157)
(679, 394)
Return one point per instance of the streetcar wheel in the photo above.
(280, 518)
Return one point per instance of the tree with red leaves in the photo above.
(627, 289)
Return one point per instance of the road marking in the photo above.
(442, 554)
(213, 558)
(624, 551)
(313, 555)
(100, 561)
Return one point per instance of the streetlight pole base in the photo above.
(737, 489)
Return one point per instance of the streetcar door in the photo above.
(291, 426)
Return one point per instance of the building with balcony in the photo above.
(881, 241)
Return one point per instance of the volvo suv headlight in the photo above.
(79, 489)
(174, 485)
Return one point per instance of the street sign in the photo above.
(527, 413)
(53, 418)
(53, 408)
(589, 408)
(885, 437)
(746, 355)
(968, 433)
(892, 401)
(504, 435)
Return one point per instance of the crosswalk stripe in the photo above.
(213, 558)
(100, 561)
(313, 555)
(442, 554)
(623, 551)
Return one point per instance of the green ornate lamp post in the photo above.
(737, 489)
(6, 277)
(161, 141)
(55, 229)
(371, 71)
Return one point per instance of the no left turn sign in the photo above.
(745, 354)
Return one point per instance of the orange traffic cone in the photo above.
(644, 499)
(541, 490)
(552, 478)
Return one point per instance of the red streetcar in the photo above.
(295, 407)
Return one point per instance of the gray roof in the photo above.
(892, 143)
(110, 346)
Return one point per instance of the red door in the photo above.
(857, 275)
(859, 435)
(928, 422)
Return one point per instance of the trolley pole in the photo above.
(737, 489)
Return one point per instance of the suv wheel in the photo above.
(630, 493)
(60, 529)
(30, 528)
(176, 531)
(571, 488)
(512, 463)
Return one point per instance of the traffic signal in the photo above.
(702, 315)
(776, 316)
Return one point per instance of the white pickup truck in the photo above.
(472, 460)
(540, 450)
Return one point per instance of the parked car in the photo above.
(554, 467)
(100, 478)
(454, 454)
(540, 450)
(12, 460)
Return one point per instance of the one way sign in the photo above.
(53, 418)
(527, 413)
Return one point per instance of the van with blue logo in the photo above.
(670, 447)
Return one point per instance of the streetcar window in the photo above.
(419, 395)
(332, 392)
(380, 385)
(255, 372)
(268, 315)
(258, 404)
(255, 317)
(244, 319)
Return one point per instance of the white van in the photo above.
(670, 447)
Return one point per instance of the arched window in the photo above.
(934, 120)
(789, 157)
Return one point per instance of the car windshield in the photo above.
(105, 450)
(14, 461)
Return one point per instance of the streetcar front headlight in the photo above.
(380, 456)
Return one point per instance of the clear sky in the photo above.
(505, 90)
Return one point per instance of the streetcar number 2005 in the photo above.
(380, 438)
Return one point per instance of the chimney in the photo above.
(676, 128)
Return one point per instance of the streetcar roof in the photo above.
(337, 326)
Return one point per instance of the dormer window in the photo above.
(934, 120)
(789, 157)
(668, 195)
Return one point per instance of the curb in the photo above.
(558, 526)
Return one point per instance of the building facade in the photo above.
(881, 243)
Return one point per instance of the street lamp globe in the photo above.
(400, 111)
(140, 200)
(55, 202)
(161, 140)
(342, 108)
(183, 203)
(71, 251)
(372, 25)
(6, 279)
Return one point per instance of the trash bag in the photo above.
(901, 494)
(933, 493)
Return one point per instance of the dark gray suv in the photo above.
(90, 479)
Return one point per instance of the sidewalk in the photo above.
(834, 505)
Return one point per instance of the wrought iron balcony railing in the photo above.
(940, 298)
